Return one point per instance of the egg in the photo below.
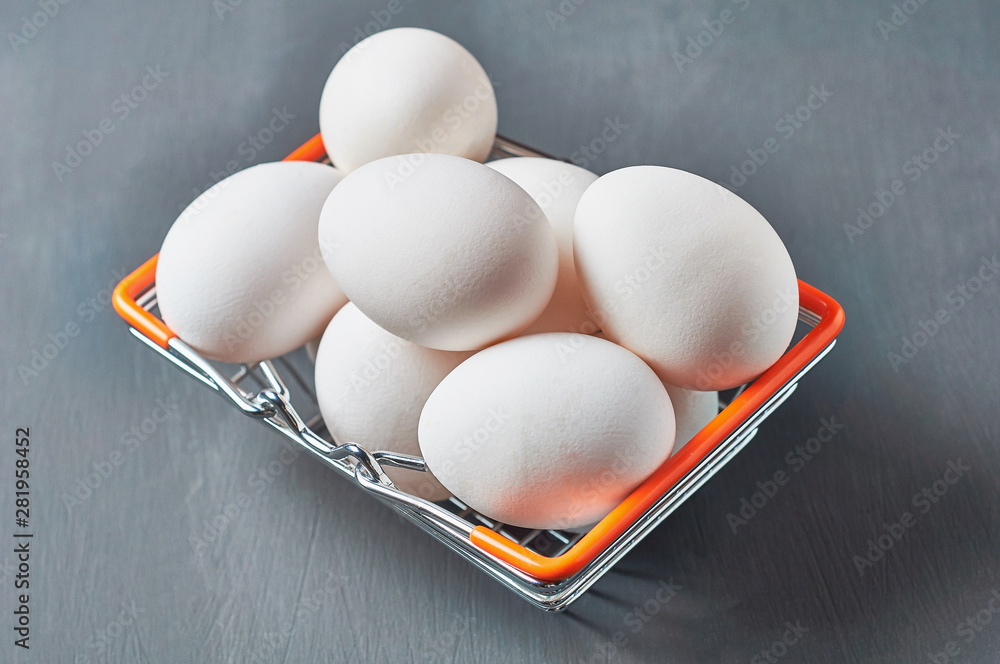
(240, 276)
(685, 274)
(548, 430)
(692, 411)
(439, 250)
(371, 387)
(407, 90)
(557, 187)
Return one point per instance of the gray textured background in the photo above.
(311, 570)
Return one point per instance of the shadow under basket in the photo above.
(548, 568)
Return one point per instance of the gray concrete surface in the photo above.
(311, 570)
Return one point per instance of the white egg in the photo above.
(240, 276)
(557, 187)
(692, 410)
(439, 250)
(371, 386)
(685, 274)
(548, 430)
(407, 90)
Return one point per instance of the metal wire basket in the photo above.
(548, 568)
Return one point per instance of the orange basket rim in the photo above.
(604, 534)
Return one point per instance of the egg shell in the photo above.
(685, 274)
(240, 275)
(439, 250)
(557, 187)
(692, 410)
(547, 430)
(407, 90)
(371, 387)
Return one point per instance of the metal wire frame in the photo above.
(260, 391)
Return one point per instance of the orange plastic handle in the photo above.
(632, 508)
(311, 150)
(124, 300)
(138, 281)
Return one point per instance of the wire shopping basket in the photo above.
(548, 568)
